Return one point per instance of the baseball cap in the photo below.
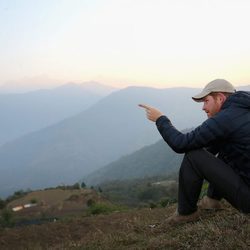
(217, 85)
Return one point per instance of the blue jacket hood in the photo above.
(240, 99)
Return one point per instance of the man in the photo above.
(217, 151)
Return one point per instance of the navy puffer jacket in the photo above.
(226, 133)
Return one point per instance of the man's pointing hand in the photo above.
(152, 113)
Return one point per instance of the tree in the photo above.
(6, 218)
(83, 185)
(76, 186)
(2, 204)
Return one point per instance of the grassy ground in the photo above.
(134, 229)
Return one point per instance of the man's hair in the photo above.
(226, 94)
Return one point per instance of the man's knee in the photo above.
(195, 159)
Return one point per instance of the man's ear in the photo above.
(221, 97)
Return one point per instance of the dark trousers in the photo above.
(224, 182)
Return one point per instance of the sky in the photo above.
(160, 43)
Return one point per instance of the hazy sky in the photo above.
(161, 43)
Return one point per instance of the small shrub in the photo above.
(2, 204)
(167, 201)
(6, 219)
(152, 205)
(102, 208)
(90, 202)
(33, 201)
(164, 202)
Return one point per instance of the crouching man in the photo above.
(217, 151)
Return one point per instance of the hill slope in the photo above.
(57, 202)
(154, 160)
(134, 229)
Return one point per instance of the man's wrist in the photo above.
(160, 118)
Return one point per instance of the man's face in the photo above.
(211, 105)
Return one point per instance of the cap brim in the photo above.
(199, 97)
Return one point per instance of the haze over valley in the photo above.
(89, 131)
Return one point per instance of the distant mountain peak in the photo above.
(98, 88)
(91, 87)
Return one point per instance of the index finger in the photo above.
(144, 106)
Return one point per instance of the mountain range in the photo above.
(27, 112)
(75, 147)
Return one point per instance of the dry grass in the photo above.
(56, 202)
(135, 229)
(52, 197)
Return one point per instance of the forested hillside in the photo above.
(154, 160)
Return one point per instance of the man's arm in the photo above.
(203, 136)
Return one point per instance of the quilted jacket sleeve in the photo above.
(213, 129)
